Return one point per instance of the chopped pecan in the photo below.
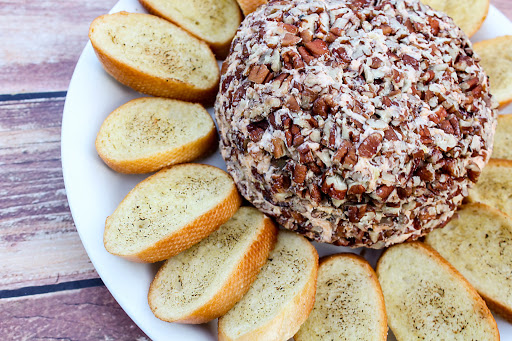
(390, 135)
(356, 189)
(386, 29)
(384, 191)
(258, 73)
(292, 104)
(289, 40)
(280, 183)
(376, 62)
(305, 154)
(434, 25)
(447, 127)
(370, 145)
(317, 47)
(355, 213)
(408, 60)
(315, 194)
(290, 28)
(306, 56)
(278, 147)
(306, 36)
(299, 173)
(320, 107)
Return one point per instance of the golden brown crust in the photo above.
(492, 66)
(442, 262)
(150, 84)
(189, 234)
(501, 309)
(238, 282)
(249, 6)
(152, 163)
(286, 324)
(375, 281)
(220, 49)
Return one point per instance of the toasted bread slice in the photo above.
(503, 138)
(205, 281)
(494, 187)
(496, 59)
(249, 6)
(469, 15)
(147, 134)
(171, 211)
(214, 21)
(427, 299)
(478, 243)
(154, 56)
(281, 297)
(348, 303)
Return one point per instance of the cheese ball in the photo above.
(357, 123)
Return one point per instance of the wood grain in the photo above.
(37, 235)
(42, 40)
(505, 6)
(85, 314)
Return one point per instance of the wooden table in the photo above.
(48, 286)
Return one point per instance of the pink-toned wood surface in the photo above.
(39, 245)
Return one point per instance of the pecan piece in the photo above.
(370, 145)
(355, 213)
(408, 60)
(356, 189)
(315, 194)
(306, 56)
(299, 173)
(317, 47)
(384, 191)
(289, 40)
(258, 73)
(278, 147)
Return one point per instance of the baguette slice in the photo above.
(349, 304)
(503, 138)
(479, 244)
(281, 297)
(214, 21)
(171, 211)
(154, 56)
(205, 281)
(249, 6)
(496, 59)
(147, 134)
(427, 299)
(494, 187)
(469, 15)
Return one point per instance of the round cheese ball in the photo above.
(358, 123)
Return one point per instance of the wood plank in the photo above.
(37, 234)
(84, 314)
(505, 6)
(42, 40)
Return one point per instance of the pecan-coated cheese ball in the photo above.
(358, 123)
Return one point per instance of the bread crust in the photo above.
(149, 84)
(501, 309)
(435, 256)
(236, 284)
(494, 45)
(286, 324)
(153, 162)
(249, 6)
(219, 48)
(375, 282)
(186, 236)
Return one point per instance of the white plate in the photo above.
(94, 190)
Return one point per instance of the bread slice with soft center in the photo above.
(205, 281)
(154, 56)
(281, 297)
(171, 211)
(494, 186)
(214, 21)
(478, 243)
(496, 59)
(427, 299)
(503, 138)
(149, 133)
(348, 303)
